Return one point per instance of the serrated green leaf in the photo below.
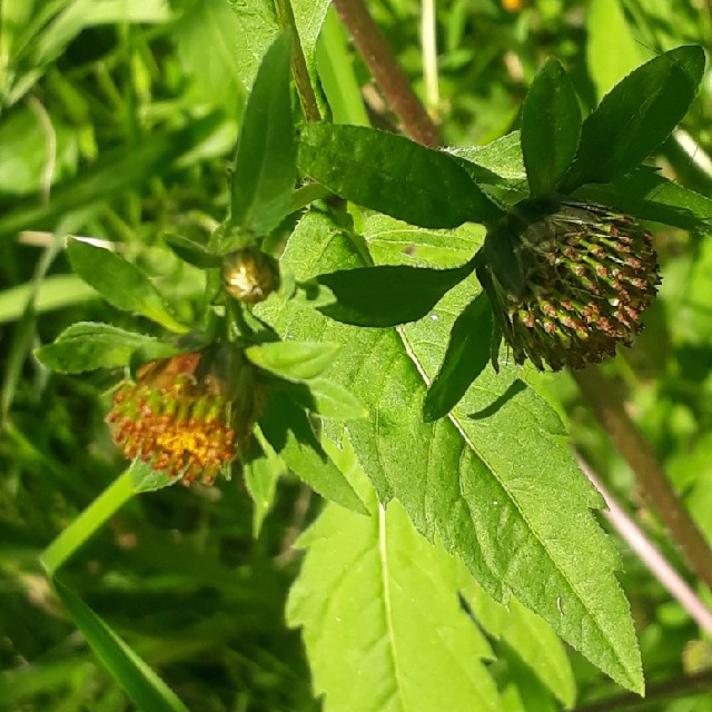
(468, 352)
(388, 295)
(381, 619)
(551, 125)
(530, 637)
(326, 398)
(86, 346)
(393, 175)
(287, 429)
(122, 284)
(636, 116)
(142, 685)
(293, 360)
(611, 50)
(496, 481)
(265, 163)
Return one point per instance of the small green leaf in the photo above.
(293, 360)
(146, 479)
(265, 164)
(327, 398)
(287, 429)
(393, 175)
(388, 295)
(86, 346)
(142, 685)
(551, 124)
(191, 252)
(262, 470)
(122, 284)
(467, 354)
(645, 194)
(636, 116)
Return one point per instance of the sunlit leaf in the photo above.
(393, 175)
(122, 284)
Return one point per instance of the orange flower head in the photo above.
(175, 418)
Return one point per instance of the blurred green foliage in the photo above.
(118, 121)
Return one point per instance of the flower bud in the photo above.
(250, 275)
(178, 418)
(568, 281)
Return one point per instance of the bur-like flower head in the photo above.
(178, 418)
(568, 281)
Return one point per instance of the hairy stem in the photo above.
(656, 563)
(669, 690)
(607, 404)
(307, 98)
(390, 78)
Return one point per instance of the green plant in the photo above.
(347, 305)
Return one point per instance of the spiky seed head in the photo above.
(250, 275)
(568, 281)
(180, 418)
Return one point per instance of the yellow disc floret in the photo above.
(175, 419)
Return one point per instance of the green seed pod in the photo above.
(250, 275)
(568, 281)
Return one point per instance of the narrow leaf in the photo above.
(143, 686)
(645, 194)
(551, 124)
(388, 295)
(192, 252)
(287, 429)
(393, 175)
(636, 116)
(86, 346)
(265, 164)
(293, 360)
(467, 354)
(381, 620)
(122, 284)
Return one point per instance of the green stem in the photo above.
(106, 504)
(307, 98)
(336, 73)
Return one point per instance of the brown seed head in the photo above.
(568, 282)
